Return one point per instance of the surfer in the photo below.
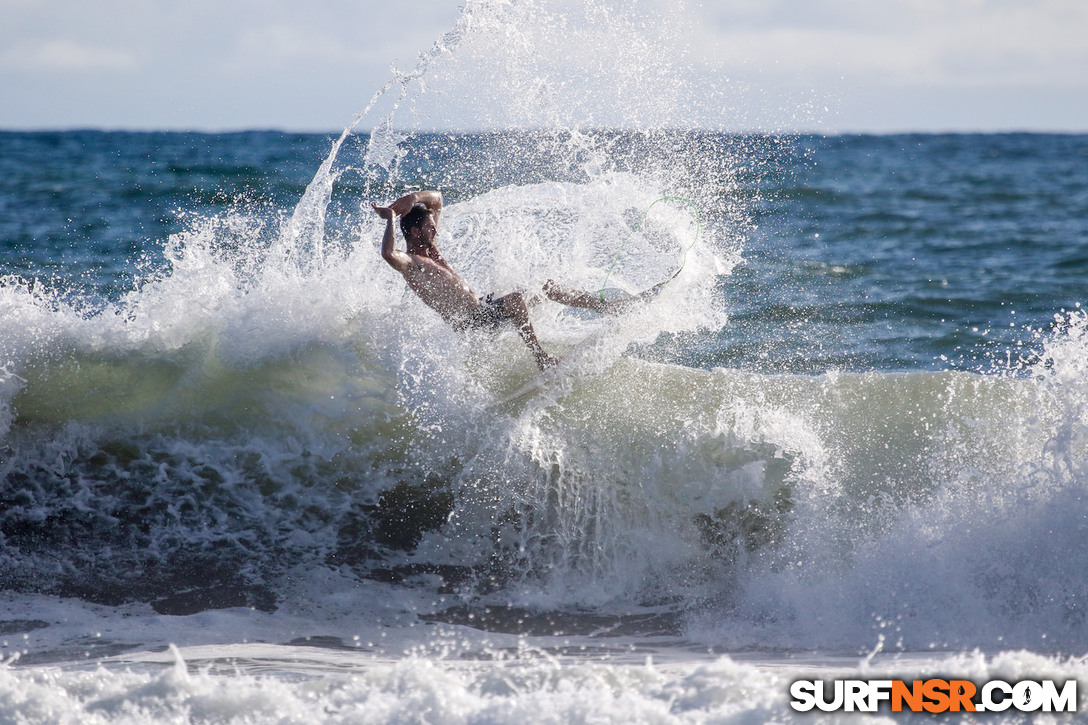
(435, 282)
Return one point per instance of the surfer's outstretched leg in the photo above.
(579, 298)
(514, 307)
(573, 297)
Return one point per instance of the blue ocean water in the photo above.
(918, 251)
(899, 252)
(88, 211)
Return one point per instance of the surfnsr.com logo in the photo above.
(934, 696)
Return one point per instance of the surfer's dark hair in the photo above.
(415, 216)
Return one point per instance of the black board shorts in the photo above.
(489, 316)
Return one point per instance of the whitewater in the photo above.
(247, 476)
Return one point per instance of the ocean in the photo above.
(247, 476)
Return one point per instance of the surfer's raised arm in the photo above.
(397, 259)
(430, 201)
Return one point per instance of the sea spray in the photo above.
(231, 404)
(945, 523)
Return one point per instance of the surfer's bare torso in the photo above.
(440, 288)
(436, 283)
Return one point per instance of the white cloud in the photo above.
(943, 42)
(65, 55)
(279, 62)
(286, 46)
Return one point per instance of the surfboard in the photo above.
(566, 367)
(616, 303)
(534, 385)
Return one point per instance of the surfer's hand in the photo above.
(383, 211)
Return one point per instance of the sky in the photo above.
(806, 65)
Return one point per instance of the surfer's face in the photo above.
(424, 233)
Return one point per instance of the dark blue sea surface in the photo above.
(86, 211)
(910, 252)
(899, 252)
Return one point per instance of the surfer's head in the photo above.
(421, 219)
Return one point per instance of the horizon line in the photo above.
(746, 131)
